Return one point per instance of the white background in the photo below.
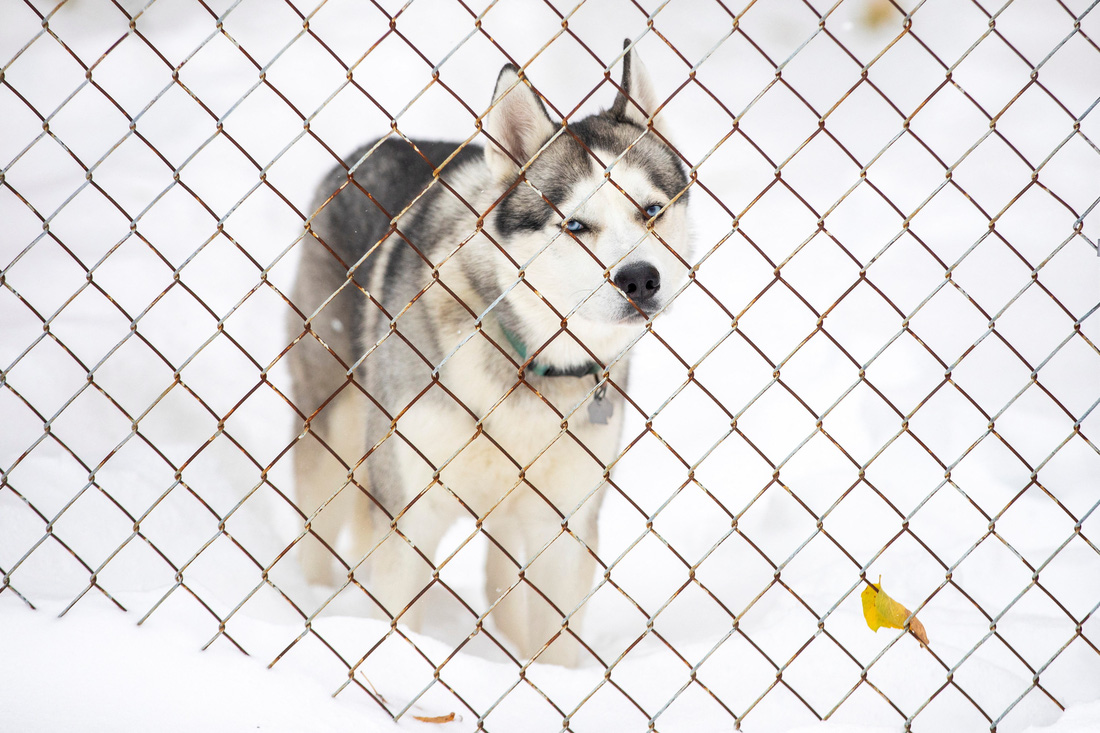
(83, 483)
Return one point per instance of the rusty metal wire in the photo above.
(859, 274)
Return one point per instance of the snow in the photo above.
(207, 424)
(96, 671)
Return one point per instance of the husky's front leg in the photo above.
(407, 534)
(543, 609)
(326, 457)
(399, 572)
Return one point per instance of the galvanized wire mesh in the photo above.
(965, 268)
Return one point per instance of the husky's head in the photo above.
(592, 211)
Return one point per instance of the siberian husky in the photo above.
(460, 351)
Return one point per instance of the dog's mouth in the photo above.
(633, 314)
(622, 311)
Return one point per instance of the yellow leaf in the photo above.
(880, 610)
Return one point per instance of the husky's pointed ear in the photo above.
(518, 122)
(639, 103)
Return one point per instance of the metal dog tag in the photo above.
(600, 408)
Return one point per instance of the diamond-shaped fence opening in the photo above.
(881, 363)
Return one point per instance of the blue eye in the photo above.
(652, 210)
(575, 226)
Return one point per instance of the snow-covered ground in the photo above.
(133, 431)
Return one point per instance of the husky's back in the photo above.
(354, 214)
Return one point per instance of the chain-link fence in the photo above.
(882, 362)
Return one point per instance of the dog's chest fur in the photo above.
(473, 420)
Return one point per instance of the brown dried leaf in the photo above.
(449, 717)
(916, 628)
(878, 13)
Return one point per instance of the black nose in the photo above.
(639, 282)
